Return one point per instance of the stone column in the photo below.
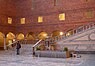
(5, 43)
(25, 39)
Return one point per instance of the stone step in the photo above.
(26, 49)
(85, 52)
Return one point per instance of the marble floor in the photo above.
(9, 58)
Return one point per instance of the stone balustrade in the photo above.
(53, 54)
(75, 31)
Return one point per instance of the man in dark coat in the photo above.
(18, 47)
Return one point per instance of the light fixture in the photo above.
(61, 33)
(44, 35)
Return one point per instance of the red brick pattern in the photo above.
(74, 10)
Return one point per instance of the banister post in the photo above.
(5, 43)
(33, 51)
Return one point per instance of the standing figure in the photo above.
(18, 47)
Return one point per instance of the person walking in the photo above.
(18, 48)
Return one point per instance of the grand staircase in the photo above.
(82, 40)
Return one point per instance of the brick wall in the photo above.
(73, 9)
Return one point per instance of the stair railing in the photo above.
(75, 31)
(35, 45)
(14, 44)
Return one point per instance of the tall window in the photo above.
(9, 20)
(89, 14)
(22, 20)
(33, 4)
(40, 19)
(55, 2)
(86, 0)
(62, 16)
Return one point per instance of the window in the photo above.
(40, 19)
(56, 2)
(62, 16)
(86, 1)
(22, 20)
(9, 20)
(89, 14)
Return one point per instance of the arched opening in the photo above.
(1, 39)
(9, 38)
(42, 35)
(20, 36)
(57, 33)
(70, 32)
(31, 36)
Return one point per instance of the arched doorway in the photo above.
(57, 33)
(9, 38)
(31, 36)
(20, 36)
(1, 40)
(42, 35)
(70, 32)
